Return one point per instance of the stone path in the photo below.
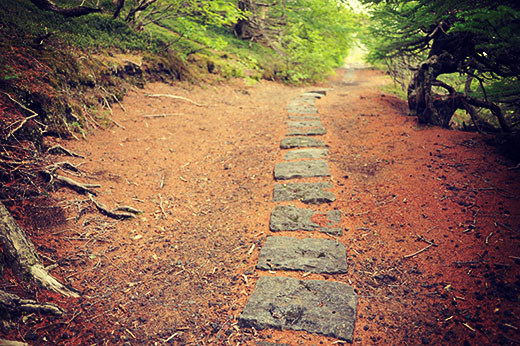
(315, 306)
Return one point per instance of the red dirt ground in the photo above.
(181, 272)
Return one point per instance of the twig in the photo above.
(514, 167)
(178, 98)
(489, 236)
(161, 184)
(118, 124)
(418, 252)
(504, 226)
(161, 206)
(162, 115)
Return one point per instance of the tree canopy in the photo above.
(465, 55)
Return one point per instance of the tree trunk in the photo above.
(429, 107)
(22, 256)
(48, 5)
(119, 6)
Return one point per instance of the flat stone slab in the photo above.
(302, 105)
(301, 169)
(309, 254)
(291, 218)
(304, 123)
(310, 193)
(301, 142)
(306, 154)
(315, 306)
(314, 94)
(306, 131)
(303, 117)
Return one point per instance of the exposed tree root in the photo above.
(79, 187)
(12, 303)
(4, 342)
(21, 254)
(59, 150)
(123, 212)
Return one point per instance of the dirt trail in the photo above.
(181, 272)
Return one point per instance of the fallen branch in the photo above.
(14, 303)
(178, 98)
(418, 252)
(116, 214)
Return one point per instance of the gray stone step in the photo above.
(311, 193)
(302, 123)
(321, 92)
(312, 153)
(301, 169)
(314, 94)
(306, 131)
(315, 306)
(301, 142)
(291, 218)
(309, 254)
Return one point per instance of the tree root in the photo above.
(13, 303)
(21, 254)
(123, 212)
(4, 342)
(79, 187)
(59, 150)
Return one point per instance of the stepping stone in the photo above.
(300, 123)
(301, 169)
(301, 142)
(311, 193)
(291, 218)
(302, 105)
(303, 117)
(321, 92)
(306, 154)
(313, 131)
(313, 94)
(309, 254)
(315, 306)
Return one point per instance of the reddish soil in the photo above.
(181, 272)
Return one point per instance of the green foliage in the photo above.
(22, 19)
(315, 37)
(482, 35)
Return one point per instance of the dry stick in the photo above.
(178, 98)
(418, 252)
(162, 115)
(161, 206)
